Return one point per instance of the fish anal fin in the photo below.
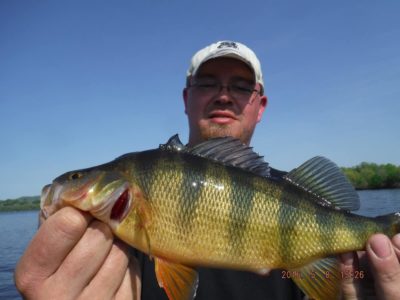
(320, 279)
(179, 281)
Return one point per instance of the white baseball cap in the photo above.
(226, 49)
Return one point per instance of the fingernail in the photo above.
(380, 246)
(396, 241)
(347, 258)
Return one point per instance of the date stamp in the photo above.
(292, 275)
(296, 275)
(353, 274)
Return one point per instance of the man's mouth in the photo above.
(222, 117)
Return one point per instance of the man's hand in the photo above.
(380, 265)
(74, 256)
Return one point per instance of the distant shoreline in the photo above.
(371, 176)
(20, 204)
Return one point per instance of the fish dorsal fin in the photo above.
(319, 280)
(324, 179)
(179, 281)
(173, 144)
(231, 152)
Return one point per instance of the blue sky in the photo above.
(82, 82)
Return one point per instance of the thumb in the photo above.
(384, 262)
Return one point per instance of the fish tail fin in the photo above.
(392, 220)
(320, 279)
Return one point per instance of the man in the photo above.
(73, 256)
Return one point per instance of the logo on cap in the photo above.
(227, 45)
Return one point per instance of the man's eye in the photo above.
(207, 85)
(241, 88)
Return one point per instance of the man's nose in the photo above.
(224, 94)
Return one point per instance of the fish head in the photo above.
(105, 193)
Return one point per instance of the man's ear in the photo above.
(263, 105)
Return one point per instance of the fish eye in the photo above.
(74, 176)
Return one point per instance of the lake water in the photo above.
(17, 229)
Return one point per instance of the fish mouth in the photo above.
(44, 198)
(106, 197)
(78, 196)
(50, 200)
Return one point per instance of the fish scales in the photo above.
(215, 213)
(220, 230)
(209, 224)
(311, 231)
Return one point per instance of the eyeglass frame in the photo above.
(221, 86)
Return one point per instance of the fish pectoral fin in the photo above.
(179, 281)
(142, 209)
(141, 206)
(320, 279)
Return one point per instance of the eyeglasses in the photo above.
(240, 90)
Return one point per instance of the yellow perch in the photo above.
(219, 205)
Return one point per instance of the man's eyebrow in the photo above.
(234, 78)
(240, 78)
(205, 76)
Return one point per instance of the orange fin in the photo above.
(179, 282)
(320, 279)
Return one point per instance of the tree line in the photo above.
(373, 176)
(19, 204)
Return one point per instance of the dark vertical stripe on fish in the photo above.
(194, 171)
(287, 214)
(242, 204)
(324, 224)
(146, 165)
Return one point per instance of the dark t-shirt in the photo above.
(224, 284)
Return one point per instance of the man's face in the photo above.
(221, 114)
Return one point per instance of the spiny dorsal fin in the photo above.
(231, 152)
(320, 279)
(323, 178)
(173, 144)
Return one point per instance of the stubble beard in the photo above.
(220, 130)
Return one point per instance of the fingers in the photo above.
(52, 243)
(73, 256)
(84, 260)
(111, 274)
(384, 261)
(131, 285)
(350, 285)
